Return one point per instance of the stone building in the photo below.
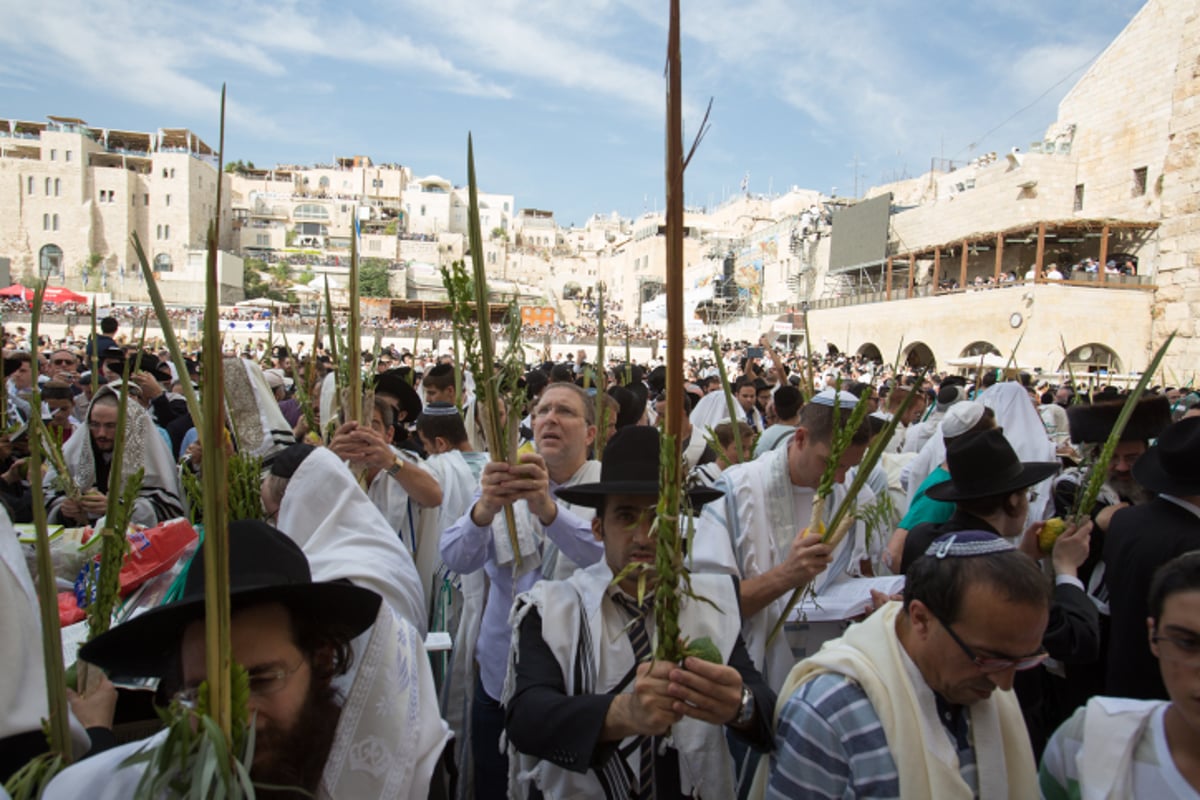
(75, 195)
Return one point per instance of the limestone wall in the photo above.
(1177, 302)
(1122, 109)
(947, 324)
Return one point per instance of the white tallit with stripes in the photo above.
(585, 630)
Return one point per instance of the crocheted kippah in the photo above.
(440, 409)
(967, 544)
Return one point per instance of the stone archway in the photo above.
(1092, 357)
(918, 355)
(870, 351)
(979, 348)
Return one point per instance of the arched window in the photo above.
(918, 355)
(57, 186)
(870, 351)
(1092, 357)
(54, 221)
(162, 263)
(45, 222)
(50, 260)
(313, 211)
(980, 348)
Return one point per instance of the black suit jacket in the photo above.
(542, 720)
(1140, 540)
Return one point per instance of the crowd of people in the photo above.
(948, 644)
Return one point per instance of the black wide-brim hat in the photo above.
(984, 464)
(395, 383)
(265, 566)
(630, 466)
(1172, 465)
(1093, 423)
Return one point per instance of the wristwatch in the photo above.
(745, 710)
(396, 466)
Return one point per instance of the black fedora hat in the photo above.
(984, 464)
(395, 383)
(265, 566)
(630, 466)
(1172, 465)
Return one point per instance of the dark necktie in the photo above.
(640, 641)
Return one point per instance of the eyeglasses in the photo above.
(990, 665)
(263, 683)
(1183, 650)
(102, 426)
(62, 362)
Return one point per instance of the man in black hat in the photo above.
(1140, 540)
(297, 640)
(588, 704)
(988, 485)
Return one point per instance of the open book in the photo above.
(845, 599)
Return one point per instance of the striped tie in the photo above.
(640, 640)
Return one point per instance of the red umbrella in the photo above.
(61, 294)
(17, 290)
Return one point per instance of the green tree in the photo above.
(373, 277)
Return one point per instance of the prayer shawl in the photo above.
(393, 502)
(388, 740)
(749, 531)
(22, 669)
(344, 536)
(457, 481)
(536, 550)
(259, 428)
(457, 600)
(870, 654)
(1025, 431)
(1114, 726)
(587, 636)
(159, 498)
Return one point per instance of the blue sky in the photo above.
(565, 98)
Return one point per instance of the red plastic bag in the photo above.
(151, 552)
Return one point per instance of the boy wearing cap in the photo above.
(587, 708)
(905, 703)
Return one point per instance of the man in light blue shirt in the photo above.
(552, 538)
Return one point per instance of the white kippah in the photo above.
(960, 418)
(827, 397)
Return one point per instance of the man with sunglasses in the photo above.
(905, 704)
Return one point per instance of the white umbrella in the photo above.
(260, 302)
(320, 281)
(987, 361)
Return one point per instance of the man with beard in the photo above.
(88, 460)
(1140, 540)
(318, 654)
(1070, 685)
